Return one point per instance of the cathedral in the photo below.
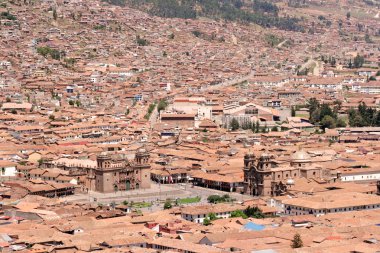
(264, 176)
(118, 174)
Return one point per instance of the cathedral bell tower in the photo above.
(249, 166)
(141, 167)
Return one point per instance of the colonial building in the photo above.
(119, 174)
(264, 176)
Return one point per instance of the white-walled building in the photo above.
(197, 214)
(7, 169)
(331, 203)
(364, 174)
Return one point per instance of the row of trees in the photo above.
(254, 126)
(356, 63)
(214, 199)
(259, 12)
(363, 116)
(150, 110)
(325, 115)
(252, 212)
(53, 53)
(7, 15)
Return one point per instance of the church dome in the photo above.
(301, 156)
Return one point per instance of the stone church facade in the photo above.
(118, 174)
(264, 176)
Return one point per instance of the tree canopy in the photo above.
(260, 12)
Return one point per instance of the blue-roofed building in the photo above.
(253, 226)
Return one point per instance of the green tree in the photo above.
(8, 100)
(212, 216)
(254, 212)
(315, 110)
(326, 111)
(293, 111)
(55, 14)
(238, 213)
(162, 105)
(253, 127)
(206, 222)
(297, 241)
(141, 42)
(168, 205)
(213, 199)
(234, 124)
(367, 38)
(341, 123)
(328, 122)
(358, 61)
(71, 102)
(348, 15)
(257, 127)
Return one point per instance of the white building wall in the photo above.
(294, 210)
(353, 178)
(8, 171)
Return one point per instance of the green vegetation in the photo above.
(141, 42)
(189, 200)
(297, 241)
(7, 15)
(273, 40)
(100, 27)
(55, 14)
(219, 199)
(235, 124)
(53, 53)
(324, 115)
(162, 105)
(150, 110)
(363, 116)
(327, 117)
(358, 61)
(259, 12)
(210, 217)
(141, 204)
(265, 6)
(69, 62)
(238, 213)
(367, 38)
(254, 212)
(168, 205)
